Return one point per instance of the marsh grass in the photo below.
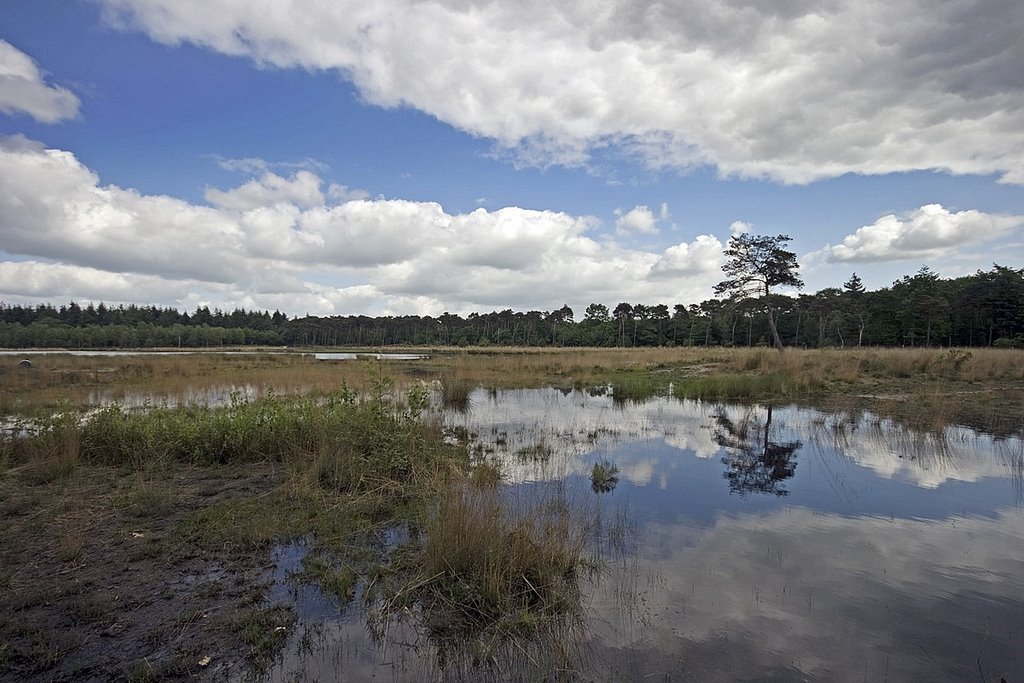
(639, 388)
(486, 567)
(264, 631)
(749, 386)
(934, 406)
(848, 365)
(336, 578)
(455, 390)
(636, 373)
(250, 522)
(53, 450)
(486, 472)
(346, 463)
(267, 429)
(354, 445)
(540, 451)
(332, 453)
(7, 455)
(494, 583)
(604, 477)
(353, 467)
(87, 380)
(147, 497)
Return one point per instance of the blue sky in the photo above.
(399, 157)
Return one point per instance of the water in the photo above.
(369, 356)
(788, 545)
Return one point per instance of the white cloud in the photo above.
(280, 242)
(928, 232)
(23, 90)
(740, 228)
(344, 193)
(639, 219)
(302, 189)
(256, 165)
(703, 256)
(251, 165)
(34, 280)
(792, 90)
(51, 206)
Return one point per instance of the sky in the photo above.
(396, 157)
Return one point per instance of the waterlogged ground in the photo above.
(737, 543)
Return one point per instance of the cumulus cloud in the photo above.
(343, 193)
(740, 228)
(302, 189)
(792, 90)
(24, 91)
(928, 232)
(53, 207)
(281, 241)
(702, 256)
(35, 280)
(639, 219)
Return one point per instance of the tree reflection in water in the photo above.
(755, 462)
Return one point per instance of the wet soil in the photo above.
(97, 582)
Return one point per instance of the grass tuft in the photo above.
(334, 578)
(264, 631)
(484, 571)
(455, 391)
(483, 566)
(604, 477)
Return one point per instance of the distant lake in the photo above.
(369, 356)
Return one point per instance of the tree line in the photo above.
(983, 309)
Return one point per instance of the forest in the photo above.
(922, 310)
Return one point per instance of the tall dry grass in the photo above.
(635, 374)
(455, 388)
(487, 568)
(850, 365)
(90, 380)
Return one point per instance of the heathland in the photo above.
(142, 496)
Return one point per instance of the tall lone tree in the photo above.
(755, 265)
(854, 294)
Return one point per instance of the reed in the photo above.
(455, 390)
(485, 565)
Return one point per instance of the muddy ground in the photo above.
(100, 580)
